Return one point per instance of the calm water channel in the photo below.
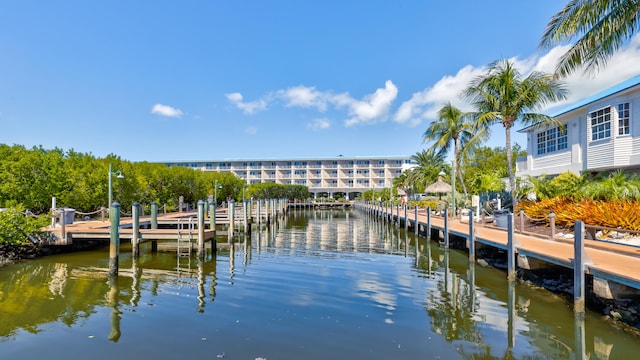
(318, 285)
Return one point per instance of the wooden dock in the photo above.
(169, 226)
(605, 261)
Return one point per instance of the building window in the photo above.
(542, 144)
(623, 119)
(600, 124)
(554, 139)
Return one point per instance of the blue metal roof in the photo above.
(629, 83)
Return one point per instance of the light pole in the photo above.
(216, 186)
(243, 188)
(111, 173)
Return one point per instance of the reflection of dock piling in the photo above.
(613, 265)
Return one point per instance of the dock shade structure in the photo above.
(438, 187)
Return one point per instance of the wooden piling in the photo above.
(114, 243)
(245, 217)
(200, 228)
(428, 222)
(154, 224)
(135, 236)
(406, 219)
(511, 249)
(416, 223)
(472, 238)
(212, 216)
(446, 230)
(578, 268)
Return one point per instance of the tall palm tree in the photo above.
(502, 96)
(600, 27)
(453, 127)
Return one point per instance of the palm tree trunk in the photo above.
(464, 187)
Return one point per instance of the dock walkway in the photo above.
(606, 261)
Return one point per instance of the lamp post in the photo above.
(216, 186)
(243, 188)
(111, 173)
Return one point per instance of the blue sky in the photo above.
(214, 80)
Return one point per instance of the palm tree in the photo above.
(600, 27)
(502, 96)
(452, 127)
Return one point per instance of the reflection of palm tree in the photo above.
(502, 96)
(600, 27)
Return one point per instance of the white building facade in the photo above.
(601, 133)
(325, 177)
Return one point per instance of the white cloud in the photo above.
(318, 124)
(424, 105)
(372, 109)
(250, 107)
(166, 110)
(304, 96)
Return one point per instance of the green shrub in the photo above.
(16, 227)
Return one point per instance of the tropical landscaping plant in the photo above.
(617, 214)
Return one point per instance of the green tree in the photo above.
(599, 27)
(503, 96)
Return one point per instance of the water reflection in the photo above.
(116, 314)
(314, 280)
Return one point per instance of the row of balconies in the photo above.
(310, 177)
(308, 166)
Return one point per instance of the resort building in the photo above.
(332, 178)
(601, 133)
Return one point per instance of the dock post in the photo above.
(114, 243)
(135, 236)
(578, 268)
(212, 216)
(428, 222)
(245, 218)
(406, 219)
(154, 224)
(258, 215)
(63, 223)
(446, 229)
(53, 211)
(511, 249)
(200, 228)
(232, 216)
(416, 223)
(472, 238)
